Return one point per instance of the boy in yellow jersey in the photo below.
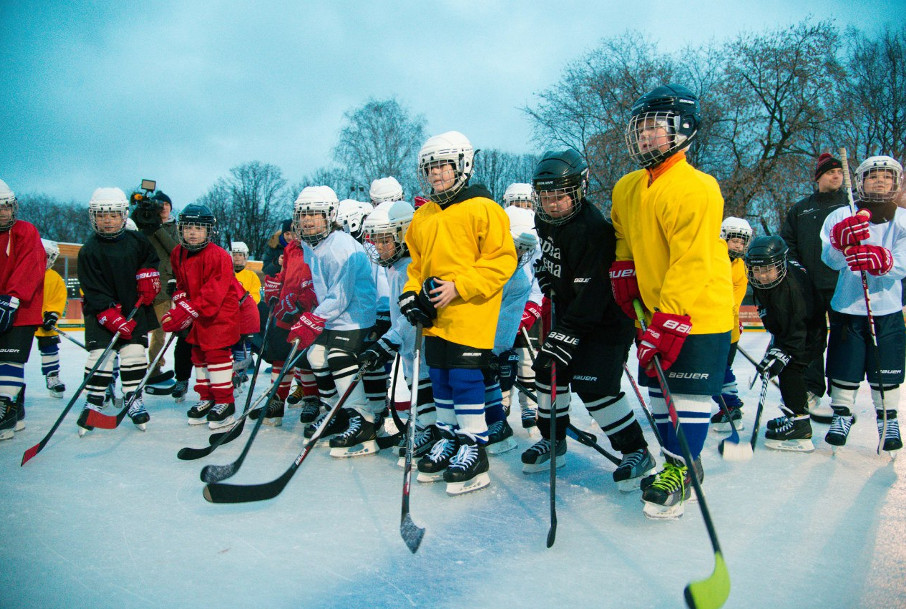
(670, 256)
(250, 282)
(462, 255)
(54, 305)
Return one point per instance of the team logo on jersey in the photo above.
(694, 376)
(586, 378)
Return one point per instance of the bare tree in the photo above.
(55, 220)
(496, 170)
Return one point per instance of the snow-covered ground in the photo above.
(114, 519)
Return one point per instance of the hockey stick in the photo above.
(34, 450)
(752, 361)
(645, 408)
(93, 418)
(552, 531)
(712, 592)
(224, 492)
(411, 533)
(216, 473)
(69, 338)
(734, 434)
(737, 451)
(188, 453)
(872, 330)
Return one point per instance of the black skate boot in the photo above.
(671, 487)
(500, 438)
(892, 441)
(424, 439)
(90, 404)
(537, 457)
(295, 397)
(840, 426)
(273, 414)
(357, 440)
(7, 418)
(794, 434)
(781, 420)
(432, 465)
(311, 408)
(632, 468)
(221, 415)
(20, 410)
(55, 387)
(137, 412)
(529, 416)
(721, 422)
(468, 469)
(338, 424)
(198, 413)
(180, 388)
(697, 466)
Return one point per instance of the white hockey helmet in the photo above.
(385, 189)
(311, 201)
(522, 228)
(450, 147)
(106, 201)
(51, 251)
(875, 164)
(739, 228)
(8, 201)
(519, 194)
(351, 213)
(388, 218)
(239, 247)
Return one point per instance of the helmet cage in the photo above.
(103, 206)
(526, 246)
(327, 210)
(572, 186)
(453, 148)
(877, 164)
(51, 252)
(12, 204)
(196, 221)
(768, 252)
(677, 135)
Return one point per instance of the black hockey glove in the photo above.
(8, 306)
(559, 346)
(508, 364)
(381, 323)
(171, 287)
(774, 361)
(377, 355)
(50, 320)
(543, 277)
(418, 308)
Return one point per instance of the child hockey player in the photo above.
(590, 337)
(462, 255)
(54, 306)
(519, 194)
(385, 189)
(206, 303)
(670, 256)
(737, 233)
(335, 330)
(117, 273)
(251, 285)
(869, 244)
(792, 313)
(21, 295)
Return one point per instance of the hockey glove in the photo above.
(113, 320)
(307, 298)
(50, 320)
(625, 285)
(530, 315)
(377, 355)
(148, 284)
(543, 277)
(382, 323)
(171, 287)
(181, 316)
(272, 289)
(559, 346)
(508, 365)
(874, 259)
(307, 329)
(850, 231)
(287, 309)
(417, 307)
(8, 306)
(774, 361)
(664, 336)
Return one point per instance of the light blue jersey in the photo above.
(401, 332)
(344, 282)
(516, 293)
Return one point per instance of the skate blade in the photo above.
(56, 394)
(633, 484)
(426, 477)
(498, 448)
(892, 454)
(6, 434)
(369, 447)
(545, 466)
(725, 427)
(83, 431)
(467, 486)
(141, 426)
(273, 421)
(180, 399)
(198, 421)
(228, 422)
(20, 425)
(655, 511)
(801, 446)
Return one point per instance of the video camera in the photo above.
(146, 214)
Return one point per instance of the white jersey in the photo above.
(529, 269)
(516, 293)
(401, 332)
(343, 281)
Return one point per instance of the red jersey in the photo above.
(22, 265)
(296, 279)
(208, 280)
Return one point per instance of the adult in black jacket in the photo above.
(590, 336)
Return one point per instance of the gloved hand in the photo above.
(181, 316)
(665, 336)
(113, 320)
(773, 362)
(508, 365)
(530, 315)
(307, 329)
(850, 231)
(874, 259)
(382, 323)
(625, 285)
(417, 307)
(543, 277)
(148, 285)
(377, 355)
(287, 308)
(307, 297)
(171, 287)
(50, 320)
(8, 307)
(559, 346)
(272, 289)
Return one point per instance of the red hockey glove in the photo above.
(307, 329)
(875, 259)
(307, 297)
(530, 315)
(181, 316)
(148, 283)
(664, 336)
(272, 289)
(113, 320)
(850, 231)
(287, 308)
(625, 286)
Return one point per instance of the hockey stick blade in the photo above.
(712, 592)
(190, 454)
(411, 533)
(735, 451)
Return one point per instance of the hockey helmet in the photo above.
(351, 213)
(520, 195)
(662, 122)
(390, 218)
(737, 228)
(877, 164)
(8, 202)
(51, 251)
(560, 172)
(196, 215)
(385, 189)
(522, 228)
(110, 206)
(451, 148)
(766, 261)
(314, 201)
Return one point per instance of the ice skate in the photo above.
(198, 413)
(500, 438)
(529, 416)
(359, 439)
(839, 429)
(273, 414)
(137, 412)
(295, 397)
(537, 457)
(780, 421)
(7, 418)
(84, 428)
(337, 425)
(792, 433)
(425, 437)
(311, 408)
(468, 469)
(179, 390)
(632, 468)
(892, 442)
(720, 422)
(54, 386)
(20, 410)
(820, 413)
(221, 415)
(432, 465)
(665, 498)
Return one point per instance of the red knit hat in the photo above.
(825, 163)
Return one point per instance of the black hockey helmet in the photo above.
(562, 171)
(672, 107)
(197, 215)
(765, 254)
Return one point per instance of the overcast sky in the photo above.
(109, 92)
